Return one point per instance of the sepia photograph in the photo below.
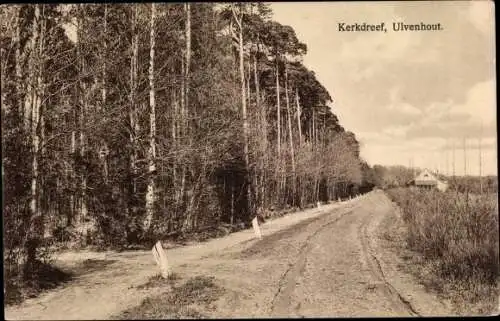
(204, 160)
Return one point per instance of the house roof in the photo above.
(425, 175)
(427, 178)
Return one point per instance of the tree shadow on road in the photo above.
(45, 277)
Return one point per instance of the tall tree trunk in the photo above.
(188, 221)
(256, 81)
(278, 107)
(248, 80)
(317, 160)
(182, 120)
(150, 195)
(40, 110)
(309, 129)
(187, 7)
(290, 134)
(244, 116)
(83, 174)
(279, 170)
(3, 62)
(258, 183)
(104, 89)
(175, 144)
(313, 129)
(182, 135)
(71, 175)
(104, 56)
(299, 126)
(72, 218)
(239, 21)
(30, 81)
(35, 233)
(134, 123)
(83, 110)
(19, 81)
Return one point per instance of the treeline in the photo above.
(387, 177)
(126, 122)
(474, 184)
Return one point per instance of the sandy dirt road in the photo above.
(320, 262)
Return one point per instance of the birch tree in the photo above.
(150, 196)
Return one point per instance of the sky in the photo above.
(411, 97)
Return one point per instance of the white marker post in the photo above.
(256, 228)
(339, 200)
(318, 204)
(161, 259)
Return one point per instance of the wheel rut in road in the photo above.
(332, 269)
(282, 299)
(372, 261)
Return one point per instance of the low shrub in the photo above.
(457, 232)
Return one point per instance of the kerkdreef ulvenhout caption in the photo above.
(382, 27)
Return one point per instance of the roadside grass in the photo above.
(177, 302)
(158, 281)
(457, 240)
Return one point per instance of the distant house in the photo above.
(428, 180)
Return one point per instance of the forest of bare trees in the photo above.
(124, 123)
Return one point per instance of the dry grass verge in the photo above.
(456, 238)
(178, 302)
(158, 281)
